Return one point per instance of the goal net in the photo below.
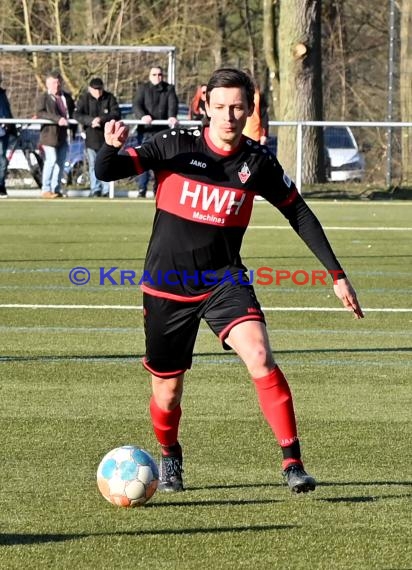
(121, 68)
(24, 69)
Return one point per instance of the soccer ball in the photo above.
(127, 476)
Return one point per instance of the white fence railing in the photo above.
(299, 139)
(388, 125)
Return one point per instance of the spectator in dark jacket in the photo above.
(155, 100)
(5, 131)
(57, 106)
(93, 109)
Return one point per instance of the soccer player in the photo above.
(193, 269)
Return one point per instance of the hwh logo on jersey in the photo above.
(209, 199)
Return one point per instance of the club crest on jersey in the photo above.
(244, 173)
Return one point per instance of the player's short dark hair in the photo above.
(230, 77)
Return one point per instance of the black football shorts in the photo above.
(171, 326)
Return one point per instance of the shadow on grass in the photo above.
(321, 350)
(137, 357)
(77, 259)
(319, 484)
(12, 539)
(74, 357)
(364, 483)
(354, 499)
(214, 502)
(274, 258)
(344, 192)
(313, 351)
(348, 499)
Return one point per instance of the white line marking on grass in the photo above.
(39, 329)
(343, 228)
(101, 307)
(342, 203)
(332, 309)
(140, 307)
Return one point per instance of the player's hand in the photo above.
(115, 133)
(346, 293)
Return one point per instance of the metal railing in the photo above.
(388, 125)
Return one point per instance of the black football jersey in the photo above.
(204, 203)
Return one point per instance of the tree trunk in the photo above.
(301, 85)
(406, 90)
(270, 48)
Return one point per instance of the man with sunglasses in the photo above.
(155, 100)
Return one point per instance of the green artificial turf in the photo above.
(72, 387)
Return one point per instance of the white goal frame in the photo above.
(170, 51)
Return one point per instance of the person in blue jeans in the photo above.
(57, 106)
(93, 109)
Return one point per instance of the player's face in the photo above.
(228, 111)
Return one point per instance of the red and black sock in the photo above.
(276, 403)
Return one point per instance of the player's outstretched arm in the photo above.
(346, 293)
(115, 133)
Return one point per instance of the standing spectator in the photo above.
(197, 111)
(5, 131)
(155, 100)
(257, 125)
(94, 108)
(57, 106)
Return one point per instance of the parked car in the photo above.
(24, 155)
(76, 167)
(76, 170)
(126, 110)
(345, 163)
(183, 112)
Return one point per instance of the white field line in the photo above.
(140, 307)
(340, 204)
(341, 228)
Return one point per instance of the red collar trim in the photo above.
(217, 150)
